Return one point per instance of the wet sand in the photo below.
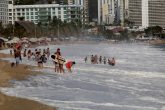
(8, 73)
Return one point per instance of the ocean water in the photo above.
(137, 82)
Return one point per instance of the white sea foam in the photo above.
(135, 83)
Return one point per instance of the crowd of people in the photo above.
(94, 59)
(41, 57)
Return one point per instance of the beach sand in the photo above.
(20, 72)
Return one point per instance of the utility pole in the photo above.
(35, 30)
(58, 31)
(13, 29)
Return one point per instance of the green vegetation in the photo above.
(53, 27)
(30, 2)
(154, 30)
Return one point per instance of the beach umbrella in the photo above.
(42, 39)
(24, 41)
(25, 38)
(14, 40)
(33, 39)
(48, 39)
(4, 39)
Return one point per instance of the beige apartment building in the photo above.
(135, 12)
(156, 11)
(145, 13)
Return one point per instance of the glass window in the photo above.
(10, 2)
(10, 10)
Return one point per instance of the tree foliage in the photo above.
(153, 30)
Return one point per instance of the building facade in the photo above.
(4, 12)
(156, 13)
(124, 11)
(93, 10)
(84, 9)
(145, 13)
(105, 14)
(135, 12)
(44, 12)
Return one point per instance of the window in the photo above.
(10, 2)
(10, 10)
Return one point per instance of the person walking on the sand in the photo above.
(17, 55)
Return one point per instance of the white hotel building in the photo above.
(42, 12)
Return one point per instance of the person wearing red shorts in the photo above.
(69, 65)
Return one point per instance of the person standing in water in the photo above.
(112, 62)
(69, 65)
(60, 68)
(48, 52)
(85, 59)
(17, 55)
(100, 59)
(105, 60)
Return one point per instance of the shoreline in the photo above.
(21, 72)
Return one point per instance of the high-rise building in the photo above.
(123, 11)
(106, 11)
(135, 12)
(93, 10)
(146, 13)
(156, 13)
(11, 17)
(4, 12)
(84, 10)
